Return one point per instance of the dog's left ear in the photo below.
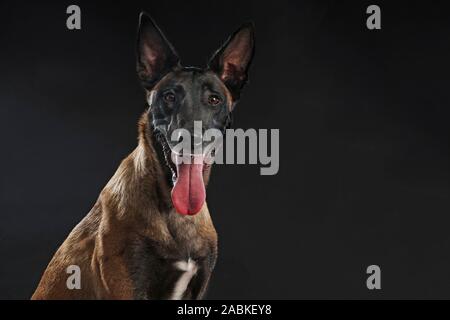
(232, 61)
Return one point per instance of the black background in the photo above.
(363, 118)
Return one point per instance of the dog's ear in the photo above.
(155, 55)
(232, 61)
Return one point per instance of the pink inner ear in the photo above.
(231, 71)
(236, 57)
(152, 57)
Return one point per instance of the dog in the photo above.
(150, 234)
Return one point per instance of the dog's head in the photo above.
(190, 100)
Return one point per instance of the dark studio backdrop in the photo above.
(364, 140)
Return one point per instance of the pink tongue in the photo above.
(188, 193)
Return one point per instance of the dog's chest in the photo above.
(175, 269)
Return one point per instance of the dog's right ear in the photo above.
(155, 55)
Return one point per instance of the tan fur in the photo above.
(135, 203)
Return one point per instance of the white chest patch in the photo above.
(189, 269)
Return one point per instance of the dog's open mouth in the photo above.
(188, 192)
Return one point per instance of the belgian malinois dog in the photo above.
(150, 234)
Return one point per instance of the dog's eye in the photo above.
(169, 97)
(214, 100)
